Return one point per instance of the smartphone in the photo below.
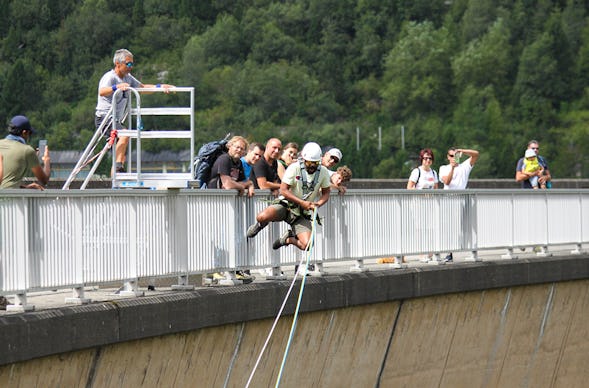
(42, 146)
(457, 156)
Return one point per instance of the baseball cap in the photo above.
(530, 152)
(335, 152)
(22, 122)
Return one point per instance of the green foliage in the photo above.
(482, 74)
(417, 77)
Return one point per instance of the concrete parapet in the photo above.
(36, 334)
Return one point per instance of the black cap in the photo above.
(22, 123)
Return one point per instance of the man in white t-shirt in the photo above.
(455, 175)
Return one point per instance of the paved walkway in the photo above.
(43, 300)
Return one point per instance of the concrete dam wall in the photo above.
(533, 335)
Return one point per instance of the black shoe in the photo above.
(449, 258)
(253, 230)
(150, 288)
(282, 240)
(120, 168)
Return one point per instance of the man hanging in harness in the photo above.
(304, 188)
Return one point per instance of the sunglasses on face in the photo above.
(427, 158)
(310, 164)
(451, 155)
(334, 158)
(535, 148)
(129, 64)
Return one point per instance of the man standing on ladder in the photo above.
(305, 187)
(118, 78)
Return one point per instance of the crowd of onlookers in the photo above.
(531, 170)
(246, 166)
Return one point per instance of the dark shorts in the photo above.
(298, 224)
(106, 130)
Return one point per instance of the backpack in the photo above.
(204, 160)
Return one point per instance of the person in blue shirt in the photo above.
(255, 152)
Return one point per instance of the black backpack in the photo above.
(204, 160)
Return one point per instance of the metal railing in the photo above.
(62, 239)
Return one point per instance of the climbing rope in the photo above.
(306, 258)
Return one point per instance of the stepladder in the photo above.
(133, 123)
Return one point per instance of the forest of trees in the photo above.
(483, 74)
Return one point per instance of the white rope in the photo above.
(296, 314)
(306, 258)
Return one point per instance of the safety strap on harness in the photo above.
(308, 189)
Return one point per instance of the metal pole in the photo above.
(379, 138)
(402, 137)
(357, 138)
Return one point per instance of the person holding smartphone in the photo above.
(19, 158)
(455, 174)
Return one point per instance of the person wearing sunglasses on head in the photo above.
(119, 78)
(543, 174)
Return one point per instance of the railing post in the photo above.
(20, 303)
(23, 255)
(179, 222)
(579, 246)
(543, 249)
(472, 211)
(130, 286)
(358, 266)
(78, 291)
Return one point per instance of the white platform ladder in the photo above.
(160, 180)
(134, 177)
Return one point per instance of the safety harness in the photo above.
(308, 189)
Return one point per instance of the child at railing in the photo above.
(532, 167)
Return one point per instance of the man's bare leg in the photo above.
(121, 150)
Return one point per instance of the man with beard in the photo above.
(305, 187)
(227, 171)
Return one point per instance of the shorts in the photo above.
(106, 130)
(299, 224)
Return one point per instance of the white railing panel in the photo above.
(494, 220)
(564, 218)
(420, 219)
(109, 222)
(55, 232)
(584, 216)
(14, 252)
(155, 236)
(529, 219)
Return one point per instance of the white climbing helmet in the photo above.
(311, 152)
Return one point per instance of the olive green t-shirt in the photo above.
(19, 159)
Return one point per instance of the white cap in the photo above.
(311, 152)
(335, 152)
(530, 152)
